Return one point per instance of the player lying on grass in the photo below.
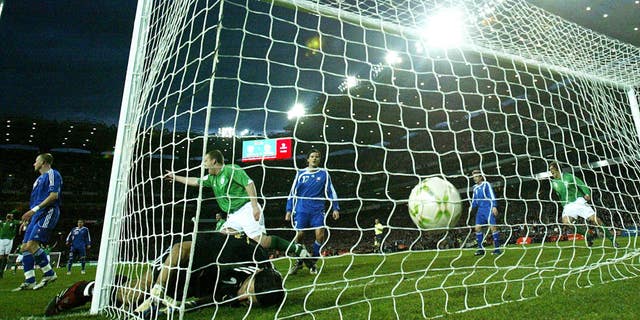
(225, 270)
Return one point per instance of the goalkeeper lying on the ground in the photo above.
(225, 270)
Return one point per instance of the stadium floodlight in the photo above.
(392, 58)
(296, 111)
(351, 81)
(445, 29)
(244, 132)
(348, 83)
(226, 132)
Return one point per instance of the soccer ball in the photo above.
(434, 203)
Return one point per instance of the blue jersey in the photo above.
(48, 182)
(483, 197)
(79, 237)
(309, 191)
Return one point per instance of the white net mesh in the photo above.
(387, 110)
(508, 28)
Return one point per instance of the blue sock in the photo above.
(43, 261)
(69, 264)
(496, 239)
(316, 249)
(479, 239)
(82, 263)
(28, 263)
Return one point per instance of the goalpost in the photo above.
(392, 92)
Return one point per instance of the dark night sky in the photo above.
(67, 59)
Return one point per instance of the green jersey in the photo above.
(8, 229)
(219, 224)
(569, 188)
(378, 228)
(228, 187)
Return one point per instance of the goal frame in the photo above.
(119, 174)
(123, 145)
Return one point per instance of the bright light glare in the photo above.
(445, 29)
(244, 132)
(351, 82)
(226, 132)
(392, 58)
(296, 111)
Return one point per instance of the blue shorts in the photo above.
(78, 252)
(306, 220)
(484, 217)
(41, 226)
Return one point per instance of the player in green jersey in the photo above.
(379, 233)
(237, 196)
(574, 195)
(219, 221)
(8, 229)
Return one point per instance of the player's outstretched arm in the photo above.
(191, 181)
(179, 253)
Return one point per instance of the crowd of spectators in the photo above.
(368, 189)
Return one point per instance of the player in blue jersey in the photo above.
(43, 217)
(306, 204)
(484, 200)
(80, 240)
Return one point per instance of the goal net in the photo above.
(391, 93)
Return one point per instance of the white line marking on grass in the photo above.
(62, 316)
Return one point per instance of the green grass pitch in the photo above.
(556, 281)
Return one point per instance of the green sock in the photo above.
(582, 230)
(607, 234)
(284, 245)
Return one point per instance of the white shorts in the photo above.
(5, 246)
(578, 208)
(242, 221)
